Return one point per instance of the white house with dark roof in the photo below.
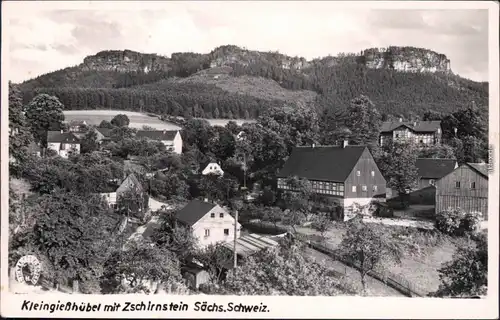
(424, 133)
(170, 138)
(63, 143)
(347, 175)
(209, 222)
(211, 167)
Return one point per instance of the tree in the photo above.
(170, 186)
(457, 222)
(215, 259)
(280, 271)
(44, 113)
(322, 223)
(19, 135)
(174, 237)
(467, 274)
(120, 120)
(273, 214)
(89, 142)
(397, 162)
(368, 248)
(74, 233)
(363, 120)
(132, 203)
(106, 124)
(127, 271)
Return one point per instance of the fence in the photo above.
(393, 280)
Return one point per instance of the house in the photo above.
(466, 187)
(170, 138)
(424, 133)
(129, 184)
(63, 143)
(209, 222)
(348, 175)
(431, 170)
(76, 125)
(211, 167)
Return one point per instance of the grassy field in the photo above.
(137, 119)
(424, 252)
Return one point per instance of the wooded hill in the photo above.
(231, 82)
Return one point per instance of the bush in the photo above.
(264, 228)
(457, 222)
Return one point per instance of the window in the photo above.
(212, 215)
(226, 232)
(374, 188)
(457, 184)
(364, 188)
(432, 182)
(353, 188)
(473, 185)
(421, 140)
(397, 135)
(207, 233)
(221, 215)
(373, 173)
(63, 146)
(358, 173)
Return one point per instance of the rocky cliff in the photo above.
(407, 59)
(125, 61)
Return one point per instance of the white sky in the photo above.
(60, 36)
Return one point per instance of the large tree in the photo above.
(44, 113)
(368, 247)
(363, 120)
(215, 259)
(74, 233)
(466, 275)
(19, 133)
(130, 270)
(120, 120)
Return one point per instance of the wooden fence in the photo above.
(392, 280)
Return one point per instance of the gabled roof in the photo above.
(194, 211)
(65, 137)
(326, 163)
(481, 168)
(416, 126)
(161, 135)
(106, 132)
(132, 177)
(434, 168)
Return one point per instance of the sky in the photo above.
(52, 39)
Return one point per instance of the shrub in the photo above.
(457, 222)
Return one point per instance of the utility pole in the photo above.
(235, 262)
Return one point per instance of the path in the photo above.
(155, 205)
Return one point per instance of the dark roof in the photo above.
(194, 211)
(481, 168)
(106, 132)
(434, 168)
(162, 135)
(327, 163)
(66, 137)
(417, 126)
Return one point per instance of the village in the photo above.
(215, 209)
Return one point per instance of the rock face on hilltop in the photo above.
(408, 59)
(125, 61)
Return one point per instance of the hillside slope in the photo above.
(234, 82)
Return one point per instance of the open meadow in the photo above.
(137, 119)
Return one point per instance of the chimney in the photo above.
(345, 143)
(313, 145)
(164, 131)
(206, 199)
(400, 119)
(62, 131)
(415, 123)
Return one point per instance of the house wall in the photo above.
(448, 196)
(212, 168)
(178, 143)
(402, 134)
(56, 146)
(216, 227)
(365, 173)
